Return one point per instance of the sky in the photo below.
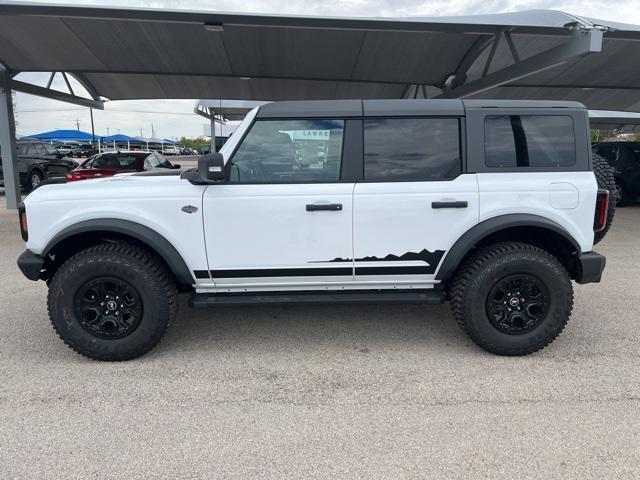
(175, 118)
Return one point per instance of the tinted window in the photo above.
(37, 150)
(529, 141)
(163, 162)
(290, 151)
(635, 151)
(115, 161)
(22, 149)
(151, 162)
(411, 149)
(50, 150)
(610, 153)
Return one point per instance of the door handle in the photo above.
(453, 204)
(314, 207)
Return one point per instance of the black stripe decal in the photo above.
(201, 273)
(396, 270)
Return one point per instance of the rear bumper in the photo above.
(590, 267)
(31, 265)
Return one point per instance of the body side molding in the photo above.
(492, 225)
(157, 242)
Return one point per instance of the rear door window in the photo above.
(529, 141)
(411, 149)
(116, 162)
(37, 150)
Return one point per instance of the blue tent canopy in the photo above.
(62, 136)
(166, 140)
(120, 138)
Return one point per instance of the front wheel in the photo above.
(113, 301)
(512, 298)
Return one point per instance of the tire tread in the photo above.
(104, 252)
(469, 269)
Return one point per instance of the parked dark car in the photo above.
(624, 157)
(85, 151)
(39, 161)
(111, 163)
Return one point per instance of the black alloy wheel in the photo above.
(517, 304)
(108, 307)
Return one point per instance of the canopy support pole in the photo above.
(213, 135)
(8, 143)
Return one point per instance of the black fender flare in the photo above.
(153, 239)
(492, 225)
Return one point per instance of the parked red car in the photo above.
(110, 163)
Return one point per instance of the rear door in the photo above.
(414, 201)
(284, 221)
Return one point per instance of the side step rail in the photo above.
(205, 300)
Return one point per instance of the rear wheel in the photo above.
(511, 298)
(113, 301)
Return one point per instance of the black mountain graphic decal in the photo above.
(432, 258)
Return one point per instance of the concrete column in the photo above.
(8, 143)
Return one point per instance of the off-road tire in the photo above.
(605, 178)
(143, 270)
(483, 269)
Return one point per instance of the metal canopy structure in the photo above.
(122, 53)
(225, 110)
(222, 111)
(622, 122)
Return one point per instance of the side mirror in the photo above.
(211, 168)
(176, 166)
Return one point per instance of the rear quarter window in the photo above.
(529, 141)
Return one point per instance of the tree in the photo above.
(194, 143)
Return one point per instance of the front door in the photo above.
(284, 219)
(413, 203)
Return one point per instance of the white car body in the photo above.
(170, 151)
(253, 227)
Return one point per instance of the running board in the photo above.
(205, 300)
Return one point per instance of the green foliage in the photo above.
(194, 143)
(600, 135)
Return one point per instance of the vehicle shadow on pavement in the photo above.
(303, 327)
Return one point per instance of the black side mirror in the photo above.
(176, 166)
(211, 168)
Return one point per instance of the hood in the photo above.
(138, 188)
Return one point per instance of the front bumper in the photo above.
(590, 267)
(31, 265)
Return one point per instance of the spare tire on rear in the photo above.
(605, 178)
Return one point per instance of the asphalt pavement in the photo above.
(372, 392)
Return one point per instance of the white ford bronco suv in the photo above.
(492, 205)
